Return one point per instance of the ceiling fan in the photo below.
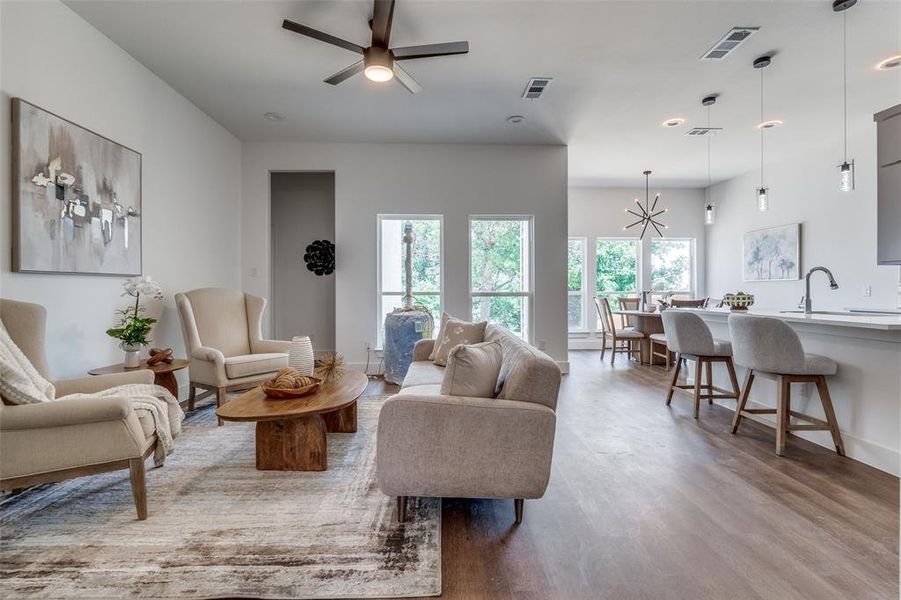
(379, 62)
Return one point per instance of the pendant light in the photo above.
(649, 214)
(709, 207)
(763, 192)
(846, 169)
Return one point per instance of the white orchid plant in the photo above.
(133, 329)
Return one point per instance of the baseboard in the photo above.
(564, 366)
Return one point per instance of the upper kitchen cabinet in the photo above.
(888, 228)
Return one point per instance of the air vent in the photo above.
(536, 87)
(729, 42)
(703, 131)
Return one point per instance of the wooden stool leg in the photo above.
(783, 412)
(697, 386)
(742, 400)
(709, 382)
(826, 399)
(675, 379)
(733, 379)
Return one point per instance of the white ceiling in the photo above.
(619, 69)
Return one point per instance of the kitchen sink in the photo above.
(844, 313)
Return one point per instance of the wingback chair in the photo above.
(53, 441)
(223, 336)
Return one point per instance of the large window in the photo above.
(617, 269)
(427, 276)
(500, 259)
(575, 279)
(672, 266)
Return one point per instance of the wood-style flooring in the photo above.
(645, 502)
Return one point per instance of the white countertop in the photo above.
(856, 320)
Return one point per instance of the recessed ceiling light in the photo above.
(673, 122)
(515, 119)
(274, 116)
(770, 124)
(892, 62)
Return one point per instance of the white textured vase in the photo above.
(132, 356)
(300, 356)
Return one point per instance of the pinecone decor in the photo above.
(320, 257)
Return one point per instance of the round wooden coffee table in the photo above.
(290, 434)
(163, 373)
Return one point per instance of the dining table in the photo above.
(647, 322)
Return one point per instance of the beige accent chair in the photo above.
(223, 336)
(53, 441)
(433, 445)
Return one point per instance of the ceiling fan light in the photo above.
(379, 73)
(378, 64)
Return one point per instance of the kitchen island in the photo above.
(866, 390)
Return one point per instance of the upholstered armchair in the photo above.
(53, 441)
(223, 336)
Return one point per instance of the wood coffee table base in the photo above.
(299, 444)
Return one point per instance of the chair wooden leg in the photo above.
(603, 344)
(517, 509)
(709, 382)
(138, 486)
(220, 400)
(613, 350)
(401, 509)
(698, 373)
(675, 379)
(192, 394)
(669, 358)
(783, 412)
(742, 400)
(826, 399)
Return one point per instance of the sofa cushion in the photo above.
(527, 374)
(428, 389)
(444, 319)
(423, 373)
(455, 332)
(246, 365)
(472, 370)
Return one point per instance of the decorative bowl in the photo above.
(738, 301)
(277, 393)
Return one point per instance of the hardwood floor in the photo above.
(645, 502)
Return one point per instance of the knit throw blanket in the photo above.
(21, 383)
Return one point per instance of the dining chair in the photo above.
(622, 340)
(690, 338)
(770, 347)
(689, 303)
(629, 304)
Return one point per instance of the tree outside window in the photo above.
(672, 266)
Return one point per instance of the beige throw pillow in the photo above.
(444, 319)
(454, 333)
(472, 370)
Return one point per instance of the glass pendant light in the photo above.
(846, 169)
(709, 208)
(763, 192)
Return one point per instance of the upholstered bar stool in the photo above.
(689, 337)
(770, 347)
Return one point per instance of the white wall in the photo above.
(838, 229)
(600, 212)
(303, 303)
(453, 180)
(191, 175)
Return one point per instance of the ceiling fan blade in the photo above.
(347, 73)
(321, 36)
(382, 17)
(445, 49)
(406, 79)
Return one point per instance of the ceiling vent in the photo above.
(703, 131)
(729, 42)
(536, 87)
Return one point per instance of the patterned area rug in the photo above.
(219, 528)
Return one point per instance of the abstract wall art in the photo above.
(76, 198)
(772, 254)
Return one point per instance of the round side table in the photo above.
(163, 373)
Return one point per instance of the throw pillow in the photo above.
(20, 382)
(455, 333)
(444, 319)
(472, 370)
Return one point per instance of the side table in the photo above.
(163, 373)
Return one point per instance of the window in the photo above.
(427, 272)
(575, 278)
(500, 271)
(672, 266)
(616, 267)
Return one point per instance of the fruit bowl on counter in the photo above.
(738, 301)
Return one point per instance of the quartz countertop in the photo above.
(837, 318)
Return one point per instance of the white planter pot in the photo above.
(132, 356)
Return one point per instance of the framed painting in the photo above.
(772, 254)
(76, 198)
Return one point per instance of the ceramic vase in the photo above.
(132, 356)
(300, 356)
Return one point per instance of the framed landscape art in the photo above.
(76, 198)
(772, 254)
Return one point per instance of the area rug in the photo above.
(218, 528)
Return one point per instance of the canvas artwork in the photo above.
(76, 198)
(772, 254)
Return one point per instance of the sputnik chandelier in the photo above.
(648, 214)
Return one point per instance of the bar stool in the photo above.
(770, 347)
(689, 337)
